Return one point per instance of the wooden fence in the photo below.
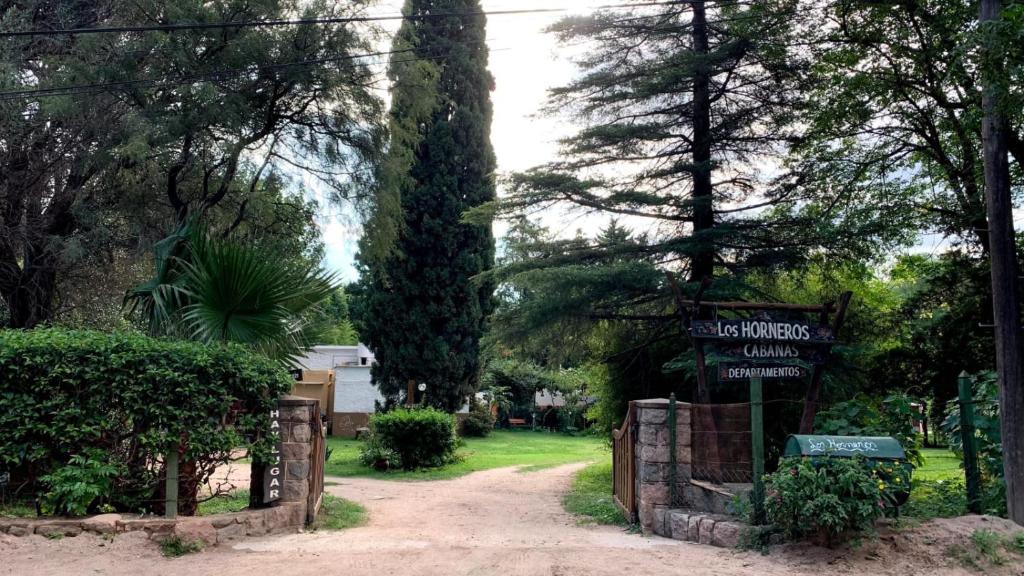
(317, 459)
(624, 465)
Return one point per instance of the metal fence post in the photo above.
(970, 448)
(757, 447)
(171, 483)
(672, 468)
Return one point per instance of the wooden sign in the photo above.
(733, 372)
(273, 475)
(761, 329)
(754, 351)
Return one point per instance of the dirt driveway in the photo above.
(498, 522)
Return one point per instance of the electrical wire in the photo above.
(321, 21)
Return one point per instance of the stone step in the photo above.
(703, 528)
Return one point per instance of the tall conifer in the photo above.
(421, 311)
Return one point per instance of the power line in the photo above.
(316, 21)
(211, 76)
(59, 90)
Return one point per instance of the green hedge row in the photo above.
(73, 402)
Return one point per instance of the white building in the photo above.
(354, 392)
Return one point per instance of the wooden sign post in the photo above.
(756, 342)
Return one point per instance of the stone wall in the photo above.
(210, 530)
(698, 513)
(298, 417)
(345, 424)
(652, 458)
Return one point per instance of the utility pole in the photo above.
(1002, 249)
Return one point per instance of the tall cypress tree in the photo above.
(421, 311)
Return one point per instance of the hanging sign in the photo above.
(273, 475)
(761, 329)
(754, 351)
(732, 372)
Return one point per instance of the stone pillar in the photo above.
(297, 418)
(653, 461)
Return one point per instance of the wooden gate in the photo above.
(624, 465)
(317, 459)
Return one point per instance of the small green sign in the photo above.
(874, 447)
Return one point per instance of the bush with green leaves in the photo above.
(376, 455)
(479, 422)
(863, 416)
(81, 485)
(76, 405)
(422, 437)
(824, 497)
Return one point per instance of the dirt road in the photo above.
(498, 522)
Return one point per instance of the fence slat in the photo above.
(624, 466)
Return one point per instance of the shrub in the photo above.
(124, 400)
(174, 546)
(378, 456)
(422, 437)
(79, 486)
(824, 497)
(890, 416)
(479, 422)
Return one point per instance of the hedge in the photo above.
(74, 401)
(421, 437)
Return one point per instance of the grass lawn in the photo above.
(533, 450)
(937, 486)
(939, 464)
(236, 501)
(338, 514)
(591, 495)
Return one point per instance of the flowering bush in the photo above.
(826, 497)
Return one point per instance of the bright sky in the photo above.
(525, 65)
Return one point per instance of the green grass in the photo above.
(939, 464)
(534, 450)
(18, 510)
(938, 487)
(236, 501)
(591, 495)
(173, 546)
(338, 514)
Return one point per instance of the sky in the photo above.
(525, 63)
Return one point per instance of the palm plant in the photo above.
(219, 290)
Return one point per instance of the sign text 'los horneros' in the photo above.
(761, 329)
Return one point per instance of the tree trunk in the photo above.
(29, 292)
(1005, 289)
(703, 257)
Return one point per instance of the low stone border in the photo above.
(711, 529)
(210, 530)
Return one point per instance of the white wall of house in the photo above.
(354, 390)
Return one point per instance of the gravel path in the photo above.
(497, 522)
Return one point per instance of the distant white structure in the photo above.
(354, 392)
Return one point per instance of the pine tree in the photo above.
(422, 312)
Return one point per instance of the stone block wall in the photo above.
(653, 459)
(297, 422)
